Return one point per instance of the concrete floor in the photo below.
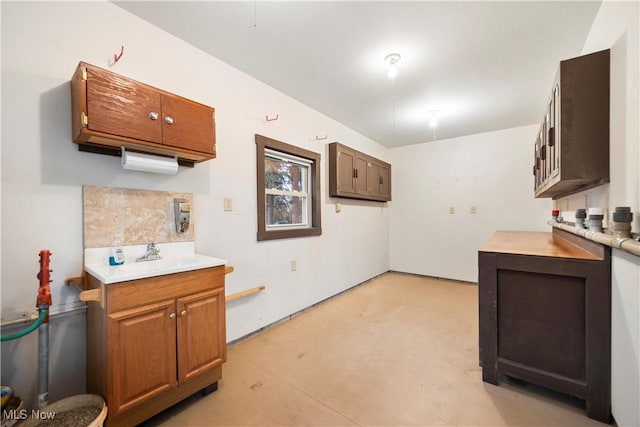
(399, 350)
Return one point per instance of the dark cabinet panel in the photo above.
(356, 175)
(361, 175)
(572, 146)
(345, 161)
(545, 314)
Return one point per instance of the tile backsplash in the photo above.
(124, 216)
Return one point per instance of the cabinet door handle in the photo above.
(551, 136)
(183, 313)
(543, 152)
(172, 316)
(168, 120)
(153, 115)
(355, 172)
(537, 162)
(534, 170)
(381, 180)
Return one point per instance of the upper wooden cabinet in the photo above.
(571, 150)
(110, 111)
(355, 175)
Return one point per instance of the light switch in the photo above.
(338, 207)
(472, 210)
(452, 210)
(228, 204)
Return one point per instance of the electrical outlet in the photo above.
(228, 204)
(294, 265)
(473, 210)
(452, 210)
(338, 207)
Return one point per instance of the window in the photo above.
(288, 190)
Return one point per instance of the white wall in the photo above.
(43, 173)
(491, 171)
(616, 28)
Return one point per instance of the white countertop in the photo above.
(176, 258)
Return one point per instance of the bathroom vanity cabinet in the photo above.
(152, 342)
(571, 150)
(545, 314)
(355, 175)
(110, 111)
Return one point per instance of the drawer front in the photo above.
(134, 293)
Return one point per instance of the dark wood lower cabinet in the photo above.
(545, 314)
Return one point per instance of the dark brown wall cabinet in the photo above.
(355, 175)
(572, 145)
(110, 111)
(545, 314)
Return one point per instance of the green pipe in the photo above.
(29, 329)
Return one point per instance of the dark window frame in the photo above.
(315, 228)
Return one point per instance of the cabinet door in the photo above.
(122, 107)
(187, 124)
(346, 171)
(142, 357)
(379, 180)
(554, 132)
(373, 178)
(202, 341)
(361, 174)
(385, 181)
(536, 166)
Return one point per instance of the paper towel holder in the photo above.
(146, 162)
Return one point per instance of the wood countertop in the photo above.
(535, 243)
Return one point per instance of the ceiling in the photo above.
(483, 65)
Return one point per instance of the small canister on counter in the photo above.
(595, 219)
(621, 224)
(581, 214)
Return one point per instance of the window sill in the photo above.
(289, 234)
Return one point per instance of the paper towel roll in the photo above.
(149, 163)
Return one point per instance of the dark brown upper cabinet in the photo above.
(110, 111)
(571, 150)
(355, 175)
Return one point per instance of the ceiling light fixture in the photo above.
(392, 59)
(433, 118)
(433, 121)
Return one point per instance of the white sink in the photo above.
(176, 258)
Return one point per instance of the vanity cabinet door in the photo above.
(142, 356)
(202, 343)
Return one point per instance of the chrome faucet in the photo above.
(151, 254)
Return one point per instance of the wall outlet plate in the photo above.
(228, 204)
